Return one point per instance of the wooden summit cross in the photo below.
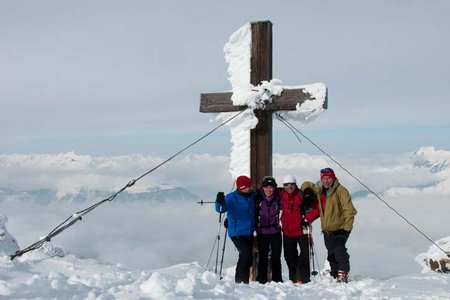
(261, 69)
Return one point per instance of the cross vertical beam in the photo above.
(261, 135)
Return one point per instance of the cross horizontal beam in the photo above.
(288, 100)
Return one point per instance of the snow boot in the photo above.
(342, 276)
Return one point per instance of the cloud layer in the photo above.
(151, 235)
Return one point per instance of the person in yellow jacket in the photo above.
(337, 214)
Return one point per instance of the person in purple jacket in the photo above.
(268, 230)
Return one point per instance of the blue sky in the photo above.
(118, 77)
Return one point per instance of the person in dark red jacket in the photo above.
(295, 220)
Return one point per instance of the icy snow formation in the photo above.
(8, 244)
(435, 259)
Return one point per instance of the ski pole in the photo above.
(311, 251)
(201, 202)
(225, 223)
(216, 243)
(317, 260)
(218, 239)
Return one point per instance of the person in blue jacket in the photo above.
(239, 206)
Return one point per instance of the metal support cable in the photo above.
(78, 215)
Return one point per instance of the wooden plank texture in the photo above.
(221, 102)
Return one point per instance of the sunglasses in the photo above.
(289, 184)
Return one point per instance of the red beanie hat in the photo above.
(242, 182)
(327, 172)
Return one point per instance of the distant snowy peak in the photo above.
(156, 194)
(435, 160)
(428, 171)
(70, 161)
(67, 161)
(69, 177)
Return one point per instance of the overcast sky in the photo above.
(118, 77)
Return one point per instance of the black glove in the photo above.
(225, 223)
(304, 222)
(308, 197)
(220, 198)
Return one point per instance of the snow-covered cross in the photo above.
(249, 55)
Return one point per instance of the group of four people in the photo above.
(281, 218)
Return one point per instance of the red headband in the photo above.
(327, 172)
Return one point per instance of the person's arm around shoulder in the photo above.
(314, 213)
(310, 194)
(312, 186)
(257, 197)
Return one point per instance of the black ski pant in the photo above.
(338, 256)
(244, 245)
(298, 265)
(268, 242)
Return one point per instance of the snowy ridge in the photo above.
(68, 177)
(155, 194)
(73, 177)
(438, 161)
(435, 162)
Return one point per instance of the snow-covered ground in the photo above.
(39, 276)
(47, 273)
